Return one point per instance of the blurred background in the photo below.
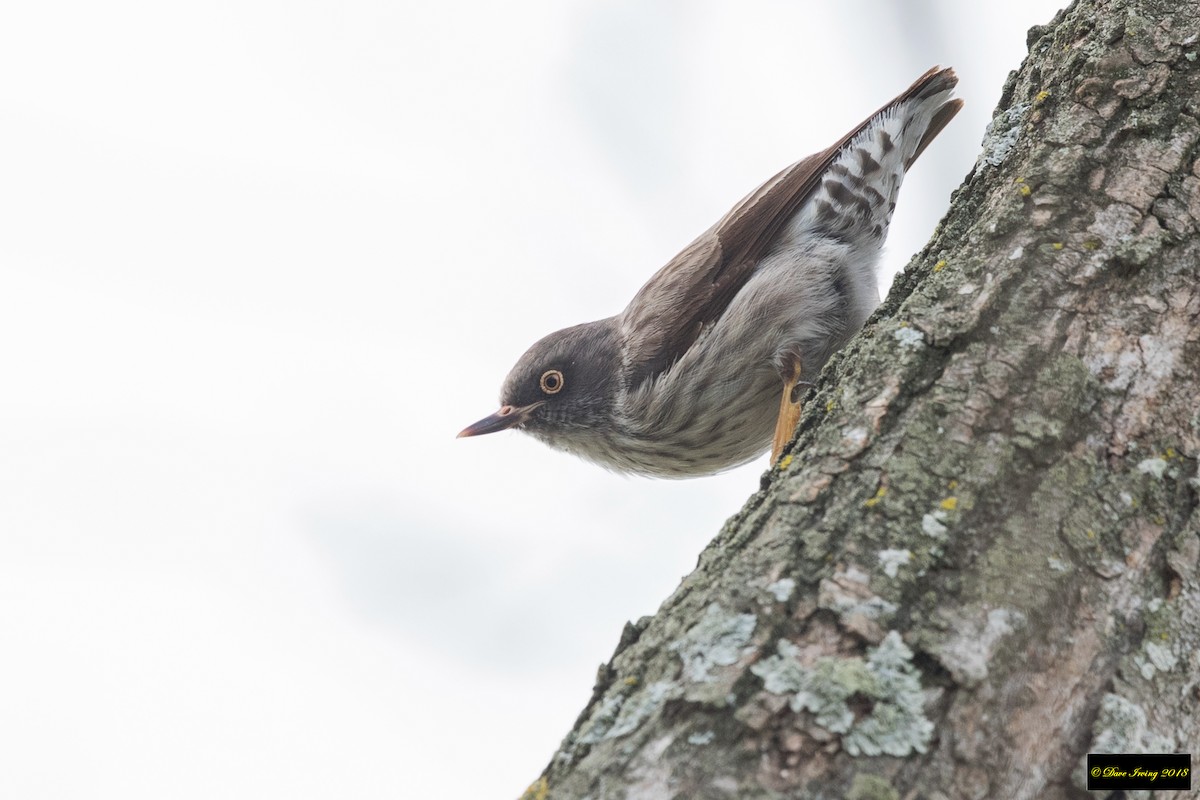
(261, 261)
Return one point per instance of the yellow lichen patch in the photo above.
(949, 504)
(1091, 244)
(830, 406)
(1041, 97)
(1057, 245)
(952, 485)
(1091, 534)
(880, 493)
(537, 790)
(785, 462)
(631, 681)
(940, 265)
(1169, 453)
(1025, 190)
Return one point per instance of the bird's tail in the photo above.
(932, 92)
(857, 193)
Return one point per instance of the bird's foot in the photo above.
(789, 411)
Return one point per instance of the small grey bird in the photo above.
(704, 363)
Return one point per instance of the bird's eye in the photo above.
(552, 381)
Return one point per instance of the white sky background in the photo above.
(260, 261)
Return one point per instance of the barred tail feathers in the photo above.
(857, 193)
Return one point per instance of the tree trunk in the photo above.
(981, 560)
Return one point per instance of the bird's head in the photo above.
(565, 382)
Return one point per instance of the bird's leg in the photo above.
(789, 411)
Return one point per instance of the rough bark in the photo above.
(982, 558)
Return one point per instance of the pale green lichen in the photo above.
(717, 640)
(896, 724)
(619, 715)
(782, 589)
(871, 787)
(598, 725)
(638, 708)
(1002, 134)
(1121, 727)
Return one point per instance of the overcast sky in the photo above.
(260, 261)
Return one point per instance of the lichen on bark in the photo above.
(999, 475)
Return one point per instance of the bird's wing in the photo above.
(668, 314)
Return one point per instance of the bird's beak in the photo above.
(506, 417)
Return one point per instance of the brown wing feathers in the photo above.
(696, 286)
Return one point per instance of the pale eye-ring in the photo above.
(552, 381)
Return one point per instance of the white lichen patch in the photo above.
(1121, 728)
(1153, 466)
(854, 438)
(895, 725)
(782, 589)
(1002, 134)
(1156, 658)
(1017, 252)
(931, 524)
(892, 560)
(1057, 564)
(967, 653)
(909, 338)
(717, 640)
(700, 739)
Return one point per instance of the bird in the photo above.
(701, 372)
